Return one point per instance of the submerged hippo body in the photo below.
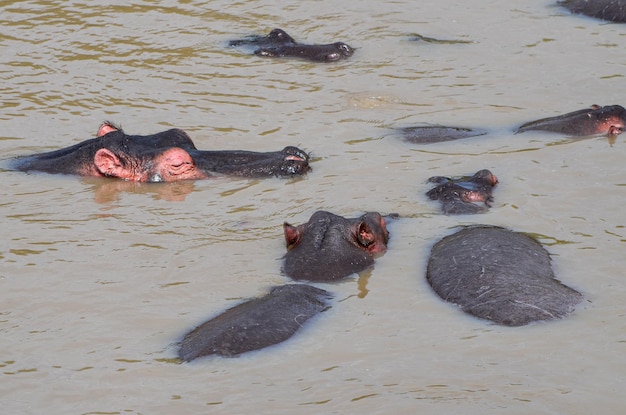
(279, 44)
(611, 10)
(499, 275)
(438, 133)
(163, 157)
(459, 195)
(257, 323)
(610, 119)
(330, 247)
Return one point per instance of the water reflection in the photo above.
(147, 64)
(109, 190)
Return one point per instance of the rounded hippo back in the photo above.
(499, 275)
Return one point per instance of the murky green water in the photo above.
(98, 279)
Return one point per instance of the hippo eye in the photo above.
(345, 49)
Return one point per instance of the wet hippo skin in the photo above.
(279, 44)
(330, 247)
(276, 37)
(499, 275)
(438, 133)
(257, 323)
(459, 195)
(610, 120)
(611, 10)
(163, 157)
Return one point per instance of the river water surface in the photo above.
(99, 278)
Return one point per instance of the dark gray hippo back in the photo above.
(499, 275)
(611, 10)
(256, 323)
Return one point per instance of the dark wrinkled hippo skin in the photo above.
(279, 44)
(290, 161)
(257, 323)
(499, 275)
(438, 133)
(330, 247)
(459, 195)
(610, 10)
(318, 53)
(610, 119)
(166, 156)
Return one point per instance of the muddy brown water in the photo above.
(99, 278)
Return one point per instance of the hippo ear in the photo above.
(365, 235)
(108, 164)
(292, 234)
(107, 127)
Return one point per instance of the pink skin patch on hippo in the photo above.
(173, 165)
(493, 179)
(612, 125)
(471, 196)
(615, 126)
(292, 157)
(372, 242)
(477, 196)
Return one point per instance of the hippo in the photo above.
(611, 10)
(458, 195)
(279, 44)
(255, 324)
(499, 275)
(609, 119)
(330, 247)
(438, 133)
(167, 156)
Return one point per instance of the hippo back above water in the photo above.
(256, 323)
(610, 10)
(428, 134)
(499, 275)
